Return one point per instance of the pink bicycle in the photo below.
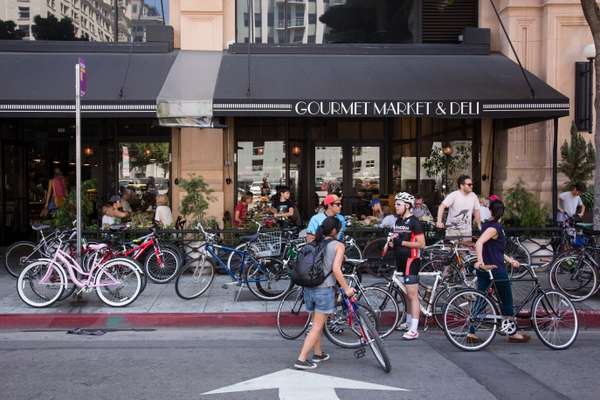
(117, 281)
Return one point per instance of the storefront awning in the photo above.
(185, 99)
(359, 85)
(40, 84)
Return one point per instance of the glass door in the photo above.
(329, 171)
(366, 177)
(15, 221)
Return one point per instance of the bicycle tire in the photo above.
(522, 255)
(575, 277)
(37, 271)
(452, 313)
(191, 277)
(292, 318)
(167, 270)
(125, 268)
(18, 256)
(379, 303)
(234, 261)
(353, 252)
(375, 342)
(439, 304)
(339, 333)
(551, 302)
(267, 278)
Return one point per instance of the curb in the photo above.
(587, 319)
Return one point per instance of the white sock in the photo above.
(408, 319)
(414, 325)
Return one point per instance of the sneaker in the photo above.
(410, 335)
(305, 364)
(317, 358)
(403, 327)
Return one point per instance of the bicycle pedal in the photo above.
(360, 353)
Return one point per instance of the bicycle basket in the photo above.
(268, 244)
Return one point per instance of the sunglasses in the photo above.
(399, 204)
(337, 204)
(468, 184)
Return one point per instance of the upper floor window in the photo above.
(354, 21)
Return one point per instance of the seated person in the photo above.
(163, 216)
(112, 213)
(376, 213)
(241, 209)
(421, 211)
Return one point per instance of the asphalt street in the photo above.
(188, 364)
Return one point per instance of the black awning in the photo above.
(379, 85)
(119, 84)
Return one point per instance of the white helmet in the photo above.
(406, 197)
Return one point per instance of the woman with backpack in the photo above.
(320, 300)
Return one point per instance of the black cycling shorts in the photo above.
(410, 267)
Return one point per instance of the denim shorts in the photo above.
(320, 300)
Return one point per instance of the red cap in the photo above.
(330, 199)
(493, 197)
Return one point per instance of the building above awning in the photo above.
(382, 85)
(42, 84)
(185, 99)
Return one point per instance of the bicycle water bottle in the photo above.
(427, 295)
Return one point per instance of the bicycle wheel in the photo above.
(439, 304)
(374, 341)
(267, 278)
(195, 278)
(470, 311)
(353, 252)
(18, 256)
(555, 320)
(339, 333)
(166, 269)
(574, 276)
(383, 305)
(521, 254)
(41, 283)
(292, 318)
(118, 282)
(234, 261)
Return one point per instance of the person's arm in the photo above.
(117, 213)
(477, 217)
(419, 242)
(440, 215)
(337, 270)
(560, 207)
(48, 193)
(488, 234)
(311, 230)
(582, 207)
(236, 216)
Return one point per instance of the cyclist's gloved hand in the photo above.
(349, 292)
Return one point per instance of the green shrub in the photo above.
(196, 200)
(523, 209)
(578, 159)
(64, 216)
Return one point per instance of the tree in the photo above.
(9, 31)
(197, 198)
(592, 16)
(52, 29)
(578, 158)
(143, 154)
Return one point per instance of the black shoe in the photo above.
(305, 365)
(317, 358)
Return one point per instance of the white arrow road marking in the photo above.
(298, 385)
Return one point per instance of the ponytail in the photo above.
(319, 235)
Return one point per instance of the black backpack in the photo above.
(308, 270)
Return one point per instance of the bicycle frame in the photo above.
(211, 249)
(400, 285)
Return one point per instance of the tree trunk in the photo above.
(592, 16)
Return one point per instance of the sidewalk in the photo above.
(158, 305)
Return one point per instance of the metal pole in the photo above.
(78, 159)
(555, 172)
(116, 6)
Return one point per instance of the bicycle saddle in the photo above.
(97, 246)
(40, 227)
(249, 238)
(355, 261)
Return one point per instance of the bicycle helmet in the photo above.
(406, 197)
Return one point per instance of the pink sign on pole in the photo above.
(82, 78)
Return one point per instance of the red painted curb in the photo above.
(587, 319)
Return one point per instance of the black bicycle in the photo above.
(471, 311)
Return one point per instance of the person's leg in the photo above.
(483, 282)
(504, 291)
(412, 298)
(313, 337)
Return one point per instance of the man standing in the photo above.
(333, 208)
(463, 206)
(568, 203)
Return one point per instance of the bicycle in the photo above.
(293, 321)
(576, 274)
(265, 277)
(474, 311)
(20, 254)
(47, 279)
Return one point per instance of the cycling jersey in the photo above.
(408, 259)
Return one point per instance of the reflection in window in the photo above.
(257, 161)
(144, 169)
(328, 21)
(329, 178)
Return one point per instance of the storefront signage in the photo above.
(442, 109)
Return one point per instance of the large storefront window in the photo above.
(261, 167)
(353, 21)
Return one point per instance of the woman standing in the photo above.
(320, 300)
(490, 251)
(56, 193)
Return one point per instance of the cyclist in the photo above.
(333, 207)
(409, 239)
(490, 251)
(320, 300)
